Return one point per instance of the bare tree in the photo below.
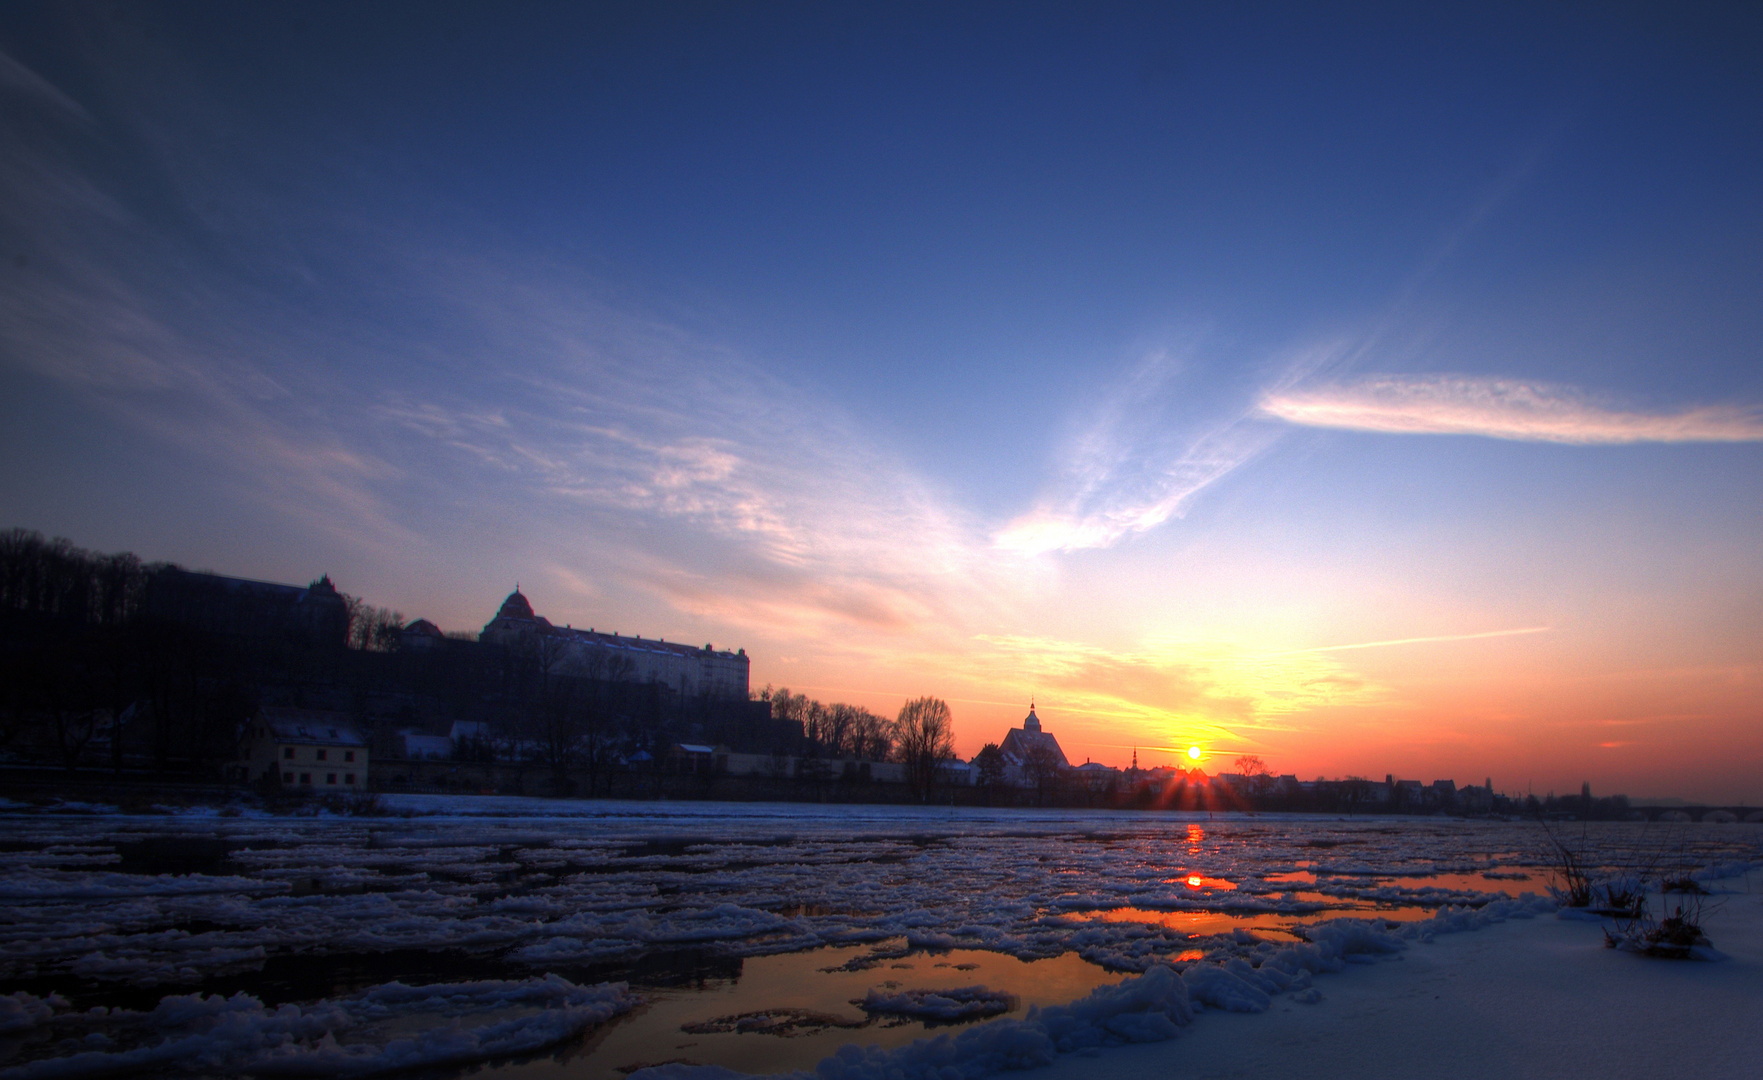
(1256, 778)
(372, 629)
(925, 735)
(788, 707)
(836, 729)
(871, 737)
(814, 725)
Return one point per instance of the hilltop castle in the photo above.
(687, 670)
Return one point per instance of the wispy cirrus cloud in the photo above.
(457, 385)
(1499, 408)
(1427, 640)
(1136, 464)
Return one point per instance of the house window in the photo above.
(348, 755)
(287, 753)
(306, 778)
(330, 778)
(349, 778)
(287, 778)
(321, 754)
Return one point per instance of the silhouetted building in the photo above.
(1020, 743)
(421, 635)
(687, 670)
(241, 608)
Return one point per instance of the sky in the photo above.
(1372, 391)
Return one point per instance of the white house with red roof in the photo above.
(305, 750)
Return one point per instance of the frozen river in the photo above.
(761, 937)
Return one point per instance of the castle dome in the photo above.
(1031, 722)
(515, 607)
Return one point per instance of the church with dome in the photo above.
(688, 670)
(1020, 743)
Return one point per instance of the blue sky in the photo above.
(1138, 359)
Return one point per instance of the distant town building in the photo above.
(1020, 743)
(305, 750)
(958, 773)
(421, 636)
(697, 758)
(687, 670)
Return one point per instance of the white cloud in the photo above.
(15, 78)
(1135, 465)
(1430, 639)
(1501, 409)
(466, 387)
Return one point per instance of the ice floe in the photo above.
(581, 889)
(384, 1029)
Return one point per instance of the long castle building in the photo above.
(687, 670)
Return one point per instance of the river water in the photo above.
(760, 937)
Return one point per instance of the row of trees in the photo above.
(102, 661)
(107, 659)
(56, 580)
(834, 731)
(372, 629)
(921, 736)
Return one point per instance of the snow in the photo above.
(1539, 997)
(962, 1003)
(1553, 993)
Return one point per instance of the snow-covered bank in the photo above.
(1527, 996)
(1539, 998)
(1151, 1008)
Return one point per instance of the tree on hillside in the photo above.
(924, 732)
(371, 629)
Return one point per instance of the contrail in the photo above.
(1415, 640)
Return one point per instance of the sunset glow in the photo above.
(1404, 422)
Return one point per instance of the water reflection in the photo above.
(792, 1010)
(1301, 877)
(1206, 923)
(1201, 881)
(1506, 884)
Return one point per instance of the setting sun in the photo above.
(1194, 753)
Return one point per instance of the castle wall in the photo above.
(688, 671)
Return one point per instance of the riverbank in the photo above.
(1527, 998)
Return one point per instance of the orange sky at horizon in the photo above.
(1399, 709)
